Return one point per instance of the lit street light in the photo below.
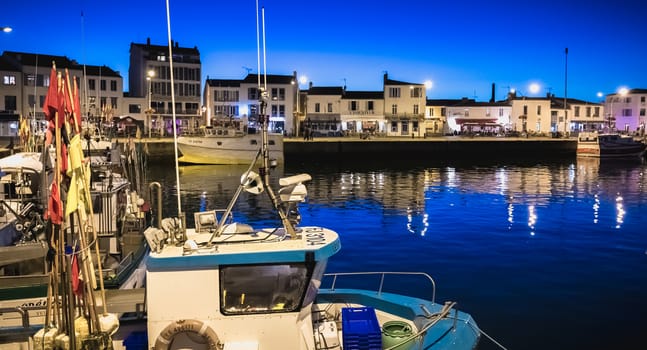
(149, 77)
(6, 29)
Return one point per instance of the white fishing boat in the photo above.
(608, 145)
(223, 284)
(226, 145)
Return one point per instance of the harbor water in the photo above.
(544, 255)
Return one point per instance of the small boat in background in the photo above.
(608, 145)
(227, 144)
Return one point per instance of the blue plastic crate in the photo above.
(360, 329)
(136, 341)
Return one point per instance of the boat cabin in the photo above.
(246, 287)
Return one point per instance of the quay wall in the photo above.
(444, 148)
(402, 148)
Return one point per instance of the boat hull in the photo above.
(227, 149)
(608, 146)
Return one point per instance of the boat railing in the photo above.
(382, 276)
(25, 329)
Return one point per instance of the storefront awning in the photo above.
(476, 121)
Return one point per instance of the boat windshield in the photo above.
(247, 289)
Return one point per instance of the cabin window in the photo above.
(249, 289)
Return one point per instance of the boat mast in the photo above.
(264, 171)
(177, 167)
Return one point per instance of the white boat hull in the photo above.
(227, 149)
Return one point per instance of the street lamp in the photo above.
(6, 29)
(149, 77)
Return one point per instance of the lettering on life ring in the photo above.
(200, 328)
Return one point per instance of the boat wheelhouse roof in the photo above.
(23, 161)
(256, 247)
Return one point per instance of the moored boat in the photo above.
(226, 145)
(608, 145)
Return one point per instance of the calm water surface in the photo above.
(543, 256)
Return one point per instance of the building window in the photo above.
(405, 127)
(416, 109)
(10, 103)
(626, 112)
(576, 111)
(282, 111)
(443, 111)
(369, 106)
(538, 109)
(113, 102)
(500, 112)
(394, 92)
(642, 99)
(92, 84)
(113, 85)
(415, 126)
(588, 111)
(353, 105)
(394, 109)
(394, 126)
(466, 112)
(278, 94)
(252, 94)
(642, 112)
(525, 110)
(596, 112)
(317, 107)
(161, 58)
(134, 108)
(431, 112)
(329, 107)
(274, 110)
(9, 80)
(416, 92)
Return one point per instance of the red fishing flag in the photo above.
(54, 206)
(51, 99)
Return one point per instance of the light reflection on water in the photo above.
(549, 255)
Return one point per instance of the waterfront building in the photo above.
(582, 115)
(149, 74)
(229, 99)
(626, 110)
(10, 98)
(404, 107)
(436, 116)
(548, 114)
(26, 80)
(467, 116)
(362, 112)
(323, 110)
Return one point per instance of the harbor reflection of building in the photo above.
(417, 192)
(526, 189)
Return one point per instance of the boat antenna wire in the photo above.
(177, 167)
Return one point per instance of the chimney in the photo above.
(310, 86)
(148, 41)
(386, 77)
(177, 44)
(493, 98)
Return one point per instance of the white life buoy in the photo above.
(165, 338)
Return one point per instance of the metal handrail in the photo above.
(383, 275)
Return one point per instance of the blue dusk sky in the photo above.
(462, 47)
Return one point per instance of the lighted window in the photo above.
(9, 80)
(253, 289)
